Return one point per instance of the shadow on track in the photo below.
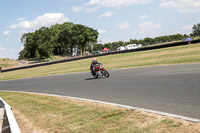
(95, 78)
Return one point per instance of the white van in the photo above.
(133, 46)
(130, 46)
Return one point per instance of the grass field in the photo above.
(173, 55)
(47, 114)
(4, 62)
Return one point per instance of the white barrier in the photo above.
(13, 126)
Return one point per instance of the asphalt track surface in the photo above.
(173, 89)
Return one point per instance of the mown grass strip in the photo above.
(172, 55)
(54, 114)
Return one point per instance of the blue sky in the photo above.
(116, 20)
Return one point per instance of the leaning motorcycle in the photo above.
(100, 71)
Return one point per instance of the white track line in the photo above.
(119, 105)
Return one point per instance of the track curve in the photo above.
(173, 89)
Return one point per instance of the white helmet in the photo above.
(94, 60)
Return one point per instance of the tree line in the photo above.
(146, 41)
(150, 41)
(59, 39)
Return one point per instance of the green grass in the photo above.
(61, 115)
(165, 56)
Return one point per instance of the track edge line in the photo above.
(118, 105)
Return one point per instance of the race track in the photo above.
(173, 89)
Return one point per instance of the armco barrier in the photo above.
(111, 53)
(9, 124)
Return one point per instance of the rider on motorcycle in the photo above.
(92, 68)
(97, 69)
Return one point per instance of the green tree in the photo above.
(34, 44)
(55, 32)
(108, 45)
(133, 41)
(196, 30)
(44, 43)
(84, 36)
(148, 41)
(65, 39)
(30, 45)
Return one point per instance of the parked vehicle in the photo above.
(96, 52)
(133, 46)
(121, 48)
(130, 46)
(100, 71)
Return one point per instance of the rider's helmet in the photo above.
(94, 60)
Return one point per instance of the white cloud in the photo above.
(123, 26)
(85, 9)
(93, 5)
(45, 20)
(183, 6)
(187, 27)
(144, 16)
(149, 25)
(20, 19)
(7, 32)
(101, 31)
(149, 29)
(2, 49)
(107, 14)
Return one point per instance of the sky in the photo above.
(115, 20)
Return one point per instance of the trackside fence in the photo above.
(7, 120)
(111, 53)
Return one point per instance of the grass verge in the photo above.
(5, 62)
(48, 114)
(173, 55)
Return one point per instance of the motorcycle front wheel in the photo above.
(106, 74)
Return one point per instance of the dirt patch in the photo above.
(25, 125)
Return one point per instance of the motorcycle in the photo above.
(100, 71)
